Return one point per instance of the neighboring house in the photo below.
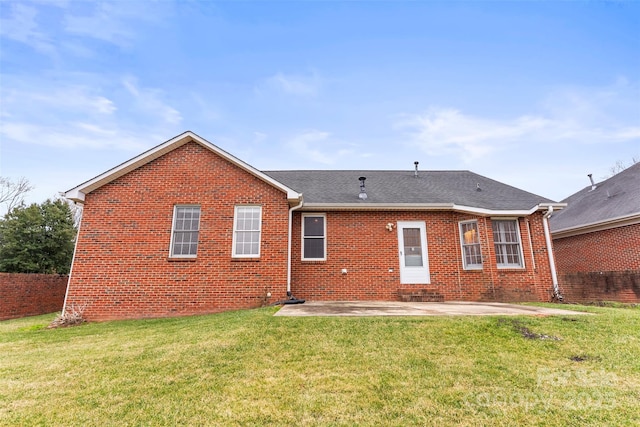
(186, 228)
(597, 240)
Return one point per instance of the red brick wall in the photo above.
(122, 267)
(621, 286)
(600, 266)
(31, 294)
(616, 249)
(359, 242)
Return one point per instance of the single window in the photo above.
(247, 226)
(314, 242)
(470, 242)
(184, 236)
(506, 237)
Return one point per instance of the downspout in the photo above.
(73, 261)
(298, 206)
(552, 263)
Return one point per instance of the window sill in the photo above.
(314, 261)
(471, 270)
(514, 268)
(245, 259)
(171, 259)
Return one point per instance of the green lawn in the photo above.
(250, 368)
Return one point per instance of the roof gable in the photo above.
(78, 193)
(612, 202)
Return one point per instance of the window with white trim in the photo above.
(185, 231)
(247, 227)
(506, 237)
(470, 244)
(314, 242)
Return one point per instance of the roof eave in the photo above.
(620, 221)
(368, 206)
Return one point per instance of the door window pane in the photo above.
(412, 247)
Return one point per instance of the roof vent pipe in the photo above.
(363, 193)
(593, 184)
(416, 172)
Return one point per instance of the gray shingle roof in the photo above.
(618, 196)
(392, 187)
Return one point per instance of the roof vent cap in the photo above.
(363, 193)
(593, 184)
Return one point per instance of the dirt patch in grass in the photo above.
(519, 326)
(584, 358)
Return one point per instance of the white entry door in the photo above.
(412, 244)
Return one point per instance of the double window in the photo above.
(186, 228)
(247, 226)
(470, 243)
(506, 237)
(314, 240)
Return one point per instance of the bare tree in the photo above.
(12, 193)
(620, 166)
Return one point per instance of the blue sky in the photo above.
(534, 94)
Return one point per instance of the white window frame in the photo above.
(234, 253)
(464, 245)
(519, 243)
(174, 232)
(323, 237)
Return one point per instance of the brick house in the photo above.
(187, 228)
(597, 240)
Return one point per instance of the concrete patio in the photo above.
(393, 308)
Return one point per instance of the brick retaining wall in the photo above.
(24, 295)
(621, 286)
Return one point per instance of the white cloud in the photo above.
(110, 22)
(149, 101)
(577, 116)
(60, 28)
(21, 26)
(74, 115)
(307, 145)
(319, 147)
(297, 85)
(259, 137)
(73, 135)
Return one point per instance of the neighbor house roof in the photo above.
(611, 203)
(446, 190)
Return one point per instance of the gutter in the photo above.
(552, 262)
(429, 207)
(619, 221)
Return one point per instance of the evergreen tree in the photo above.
(37, 238)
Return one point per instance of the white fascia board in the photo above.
(77, 194)
(364, 206)
(620, 221)
(376, 206)
(510, 212)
